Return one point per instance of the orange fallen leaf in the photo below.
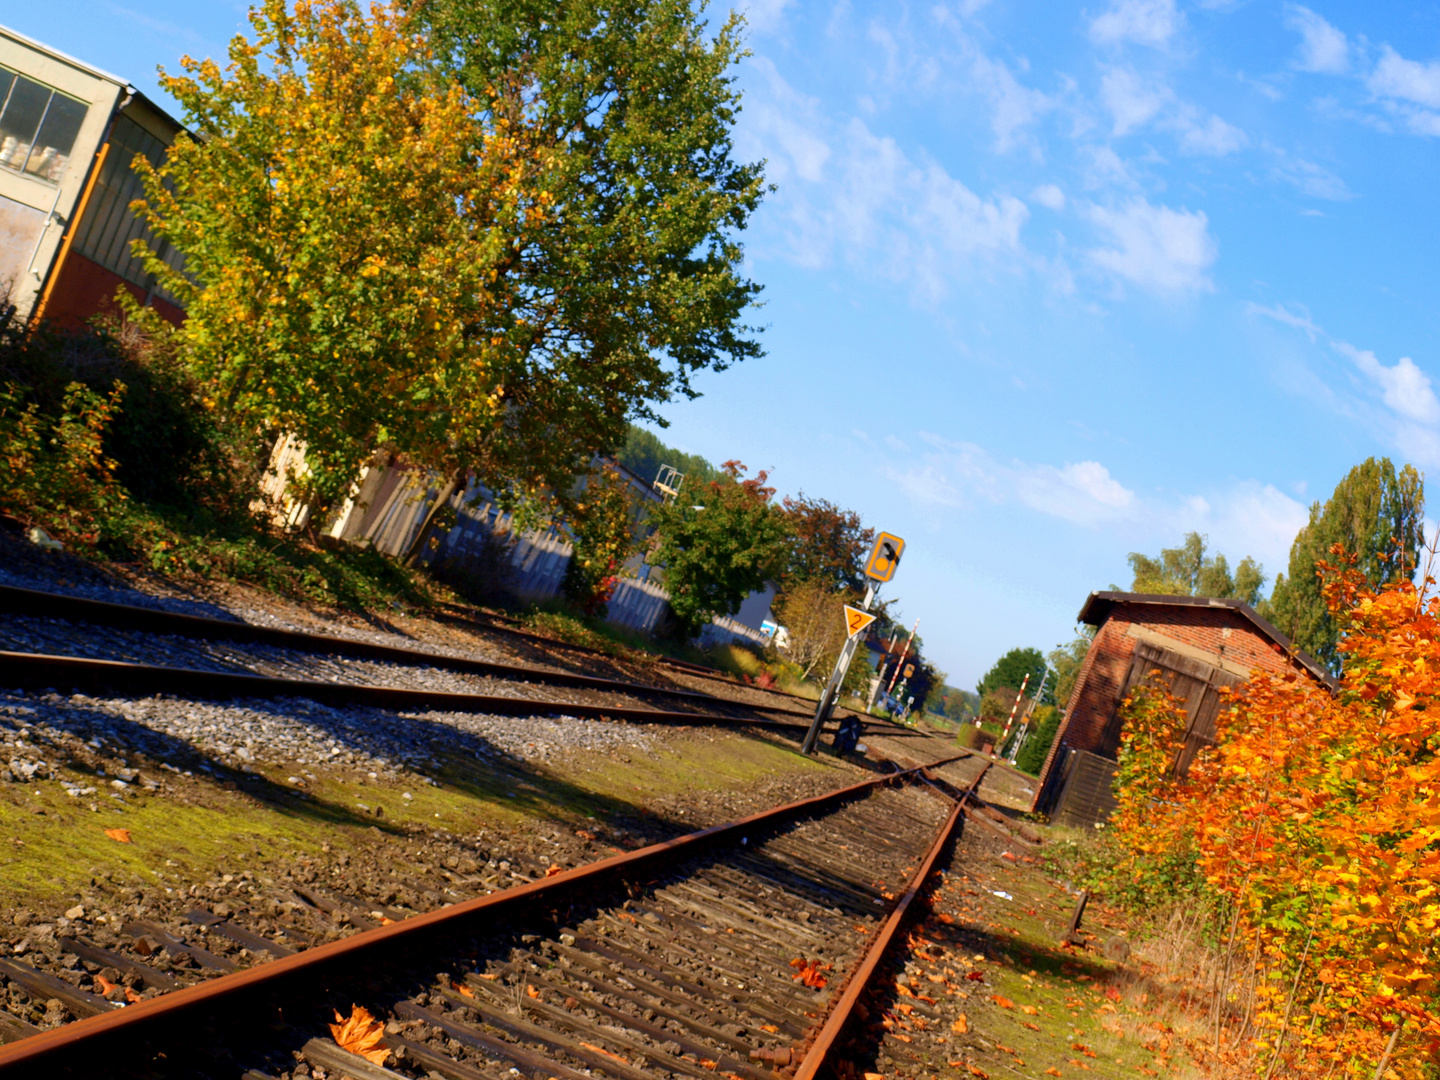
(1003, 1002)
(105, 985)
(531, 991)
(602, 1050)
(1029, 1010)
(130, 995)
(897, 1035)
(360, 1034)
(555, 868)
(1052, 1071)
(771, 1028)
(961, 1025)
(903, 990)
(976, 976)
(904, 1008)
(947, 919)
(123, 835)
(975, 1070)
(707, 1063)
(809, 972)
(385, 920)
(463, 989)
(874, 1076)
(491, 978)
(1028, 1024)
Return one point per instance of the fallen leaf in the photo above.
(1113, 993)
(708, 1063)
(874, 1076)
(531, 991)
(584, 835)
(897, 1035)
(1028, 1024)
(360, 1034)
(491, 978)
(123, 835)
(105, 985)
(385, 920)
(463, 989)
(975, 1070)
(554, 869)
(130, 995)
(974, 976)
(947, 919)
(961, 1025)
(809, 972)
(771, 1028)
(1029, 1010)
(904, 1008)
(602, 1050)
(1004, 1049)
(1003, 1002)
(1052, 1071)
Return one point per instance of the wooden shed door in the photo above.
(1194, 682)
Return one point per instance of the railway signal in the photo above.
(879, 568)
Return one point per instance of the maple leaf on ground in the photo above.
(122, 835)
(809, 972)
(360, 1034)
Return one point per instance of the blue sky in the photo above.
(1048, 283)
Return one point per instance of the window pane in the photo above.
(22, 116)
(56, 138)
(6, 78)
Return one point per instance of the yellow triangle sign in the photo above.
(856, 620)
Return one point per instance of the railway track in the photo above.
(231, 671)
(738, 950)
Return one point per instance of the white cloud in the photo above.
(1014, 106)
(1322, 47)
(1155, 247)
(1145, 22)
(1243, 517)
(1408, 80)
(787, 125)
(762, 16)
(1132, 103)
(1306, 176)
(1398, 401)
(1211, 137)
(1049, 196)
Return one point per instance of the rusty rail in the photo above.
(122, 1035)
(858, 981)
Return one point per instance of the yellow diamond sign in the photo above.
(856, 620)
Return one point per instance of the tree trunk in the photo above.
(417, 546)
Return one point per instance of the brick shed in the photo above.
(1199, 645)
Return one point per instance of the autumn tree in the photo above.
(718, 543)
(828, 545)
(1188, 570)
(344, 214)
(814, 620)
(1375, 513)
(601, 525)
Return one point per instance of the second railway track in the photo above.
(736, 950)
(214, 658)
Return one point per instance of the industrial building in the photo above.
(68, 135)
(1198, 645)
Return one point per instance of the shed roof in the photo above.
(1099, 606)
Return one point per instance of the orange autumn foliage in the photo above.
(1316, 820)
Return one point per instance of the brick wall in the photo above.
(1221, 631)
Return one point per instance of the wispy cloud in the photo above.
(1323, 48)
(1241, 517)
(1144, 22)
(1398, 401)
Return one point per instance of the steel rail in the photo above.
(117, 1035)
(819, 1050)
(40, 604)
(17, 601)
(40, 671)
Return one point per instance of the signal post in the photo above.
(879, 568)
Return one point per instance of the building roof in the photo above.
(66, 58)
(1099, 606)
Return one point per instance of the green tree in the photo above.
(1010, 671)
(718, 543)
(1044, 723)
(633, 282)
(1188, 571)
(643, 453)
(1066, 660)
(1376, 514)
